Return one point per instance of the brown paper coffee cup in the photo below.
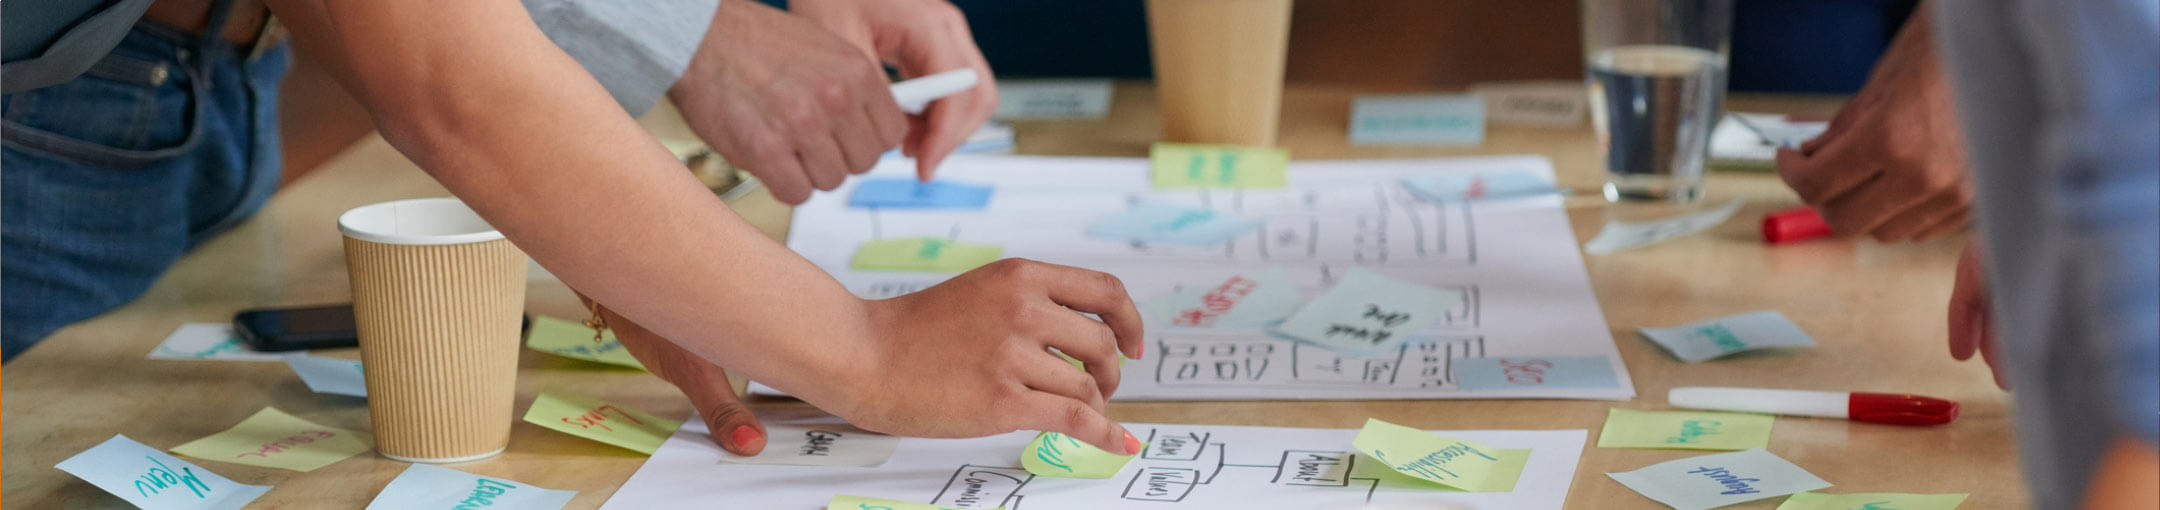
(439, 299)
(1219, 68)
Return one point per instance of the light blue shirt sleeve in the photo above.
(635, 48)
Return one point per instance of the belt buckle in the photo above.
(271, 34)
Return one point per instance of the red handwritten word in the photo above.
(597, 417)
(1216, 302)
(1525, 372)
(288, 442)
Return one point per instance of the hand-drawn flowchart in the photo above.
(1513, 263)
(1181, 466)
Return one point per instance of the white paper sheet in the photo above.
(1514, 261)
(1185, 466)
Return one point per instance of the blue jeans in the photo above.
(111, 177)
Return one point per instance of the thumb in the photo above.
(728, 420)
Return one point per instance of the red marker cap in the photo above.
(1795, 224)
(1901, 409)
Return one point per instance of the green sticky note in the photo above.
(924, 254)
(845, 502)
(600, 420)
(1871, 501)
(1060, 456)
(1503, 480)
(272, 438)
(573, 340)
(1689, 430)
(1440, 459)
(1218, 166)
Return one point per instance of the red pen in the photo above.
(1795, 224)
(1893, 409)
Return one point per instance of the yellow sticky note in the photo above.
(573, 340)
(845, 502)
(272, 438)
(1872, 501)
(1688, 430)
(1433, 457)
(924, 254)
(1218, 166)
(599, 420)
(1503, 479)
(1060, 456)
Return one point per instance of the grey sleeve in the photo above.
(635, 48)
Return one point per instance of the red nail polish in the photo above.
(743, 436)
(1132, 444)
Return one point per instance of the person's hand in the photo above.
(1892, 163)
(788, 101)
(971, 356)
(1972, 324)
(726, 417)
(918, 37)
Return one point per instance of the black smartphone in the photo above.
(297, 329)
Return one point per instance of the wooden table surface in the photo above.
(1877, 311)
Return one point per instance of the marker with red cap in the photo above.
(1868, 407)
(1795, 224)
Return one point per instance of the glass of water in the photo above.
(1657, 86)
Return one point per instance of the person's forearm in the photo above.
(476, 95)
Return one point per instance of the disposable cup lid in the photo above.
(419, 221)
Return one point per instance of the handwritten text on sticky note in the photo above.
(272, 438)
(1872, 501)
(1060, 456)
(1242, 300)
(153, 480)
(1724, 336)
(1436, 119)
(820, 444)
(904, 193)
(1173, 224)
(573, 340)
(1218, 166)
(1712, 481)
(1534, 103)
(1551, 372)
(1432, 457)
(599, 420)
(1690, 430)
(426, 486)
(845, 502)
(1052, 99)
(923, 254)
(1367, 312)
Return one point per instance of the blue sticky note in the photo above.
(1469, 186)
(1436, 119)
(913, 194)
(426, 486)
(1367, 312)
(329, 375)
(154, 480)
(1716, 480)
(1529, 373)
(1171, 224)
(1720, 337)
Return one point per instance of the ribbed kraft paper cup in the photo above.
(1219, 68)
(439, 297)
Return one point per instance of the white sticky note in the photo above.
(1557, 103)
(426, 486)
(1712, 481)
(207, 340)
(1240, 301)
(1436, 119)
(820, 444)
(1624, 235)
(329, 375)
(154, 480)
(1367, 312)
(1052, 99)
(1716, 338)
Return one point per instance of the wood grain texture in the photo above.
(1877, 311)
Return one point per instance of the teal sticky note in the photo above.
(1171, 224)
(913, 194)
(1240, 301)
(1712, 481)
(1472, 186)
(329, 375)
(426, 486)
(153, 480)
(1368, 312)
(1723, 336)
(1529, 373)
(1436, 119)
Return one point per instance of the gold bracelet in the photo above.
(598, 323)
